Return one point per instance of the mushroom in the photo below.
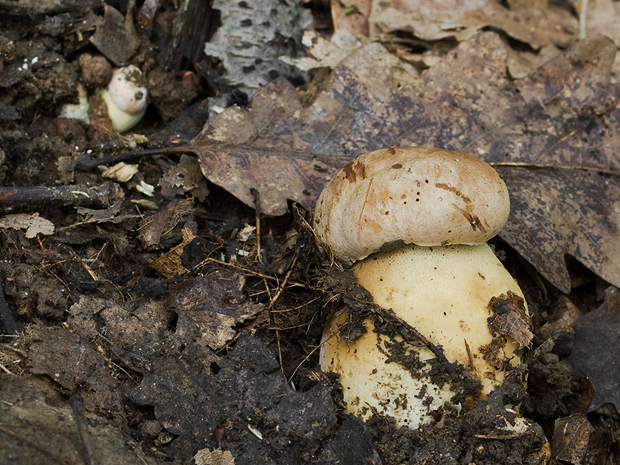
(125, 98)
(414, 222)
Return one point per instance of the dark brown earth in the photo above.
(145, 330)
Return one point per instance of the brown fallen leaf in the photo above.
(570, 438)
(185, 176)
(214, 304)
(508, 317)
(528, 21)
(116, 36)
(351, 16)
(32, 223)
(265, 149)
(553, 137)
(596, 353)
(601, 17)
(214, 457)
(161, 225)
(72, 362)
(170, 264)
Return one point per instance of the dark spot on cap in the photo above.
(397, 166)
(452, 189)
(474, 221)
(355, 171)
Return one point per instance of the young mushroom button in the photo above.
(415, 222)
(125, 97)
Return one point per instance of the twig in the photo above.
(583, 19)
(280, 360)
(310, 354)
(499, 436)
(247, 271)
(5, 369)
(409, 333)
(148, 10)
(103, 195)
(257, 215)
(85, 164)
(77, 405)
(517, 164)
(87, 268)
(472, 367)
(276, 296)
(286, 278)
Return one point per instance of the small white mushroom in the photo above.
(416, 221)
(126, 98)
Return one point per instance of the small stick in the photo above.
(85, 163)
(74, 195)
(147, 12)
(257, 215)
(286, 278)
(471, 359)
(77, 405)
(310, 354)
(5, 369)
(583, 19)
(248, 271)
(279, 351)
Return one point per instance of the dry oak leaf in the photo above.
(214, 457)
(214, 304)
(571, 436)
(602, 17)
(552, 136)
(596, 353)
(67, 357)
(529, 21)
(351, 16)
(32, 223)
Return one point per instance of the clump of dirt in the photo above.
(186, 321)
(554, 389)
(483, 436)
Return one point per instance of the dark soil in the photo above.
(147, 329)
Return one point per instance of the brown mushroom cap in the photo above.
(415, 195)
